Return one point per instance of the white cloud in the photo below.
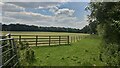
(62, 12)
(80, 24)
(13, 13)
(54, 9)
(28, 16)
(36, 5)
(11, 7)
(43, 20)
(65, 11)
(36, 0)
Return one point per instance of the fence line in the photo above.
(39, 40)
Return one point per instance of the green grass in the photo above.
(82, 53)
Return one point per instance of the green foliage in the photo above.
(100, 30)
(23, 45)
(110, 54)
(107, 15)
(91, 28)
(4, 43)
(29, 55)
(86, 29)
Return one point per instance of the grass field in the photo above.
(40, 33)
(85, 52)
(82, 53)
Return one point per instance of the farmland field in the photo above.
(40, 33)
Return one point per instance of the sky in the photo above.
(56, 14)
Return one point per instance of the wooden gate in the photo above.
(8, 52)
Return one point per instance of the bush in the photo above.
(29, 55)
(110, 54)
(23, 45)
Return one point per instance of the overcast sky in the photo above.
(57, 14)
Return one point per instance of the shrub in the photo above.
(110, 54)
(29, 55)
(23, 45)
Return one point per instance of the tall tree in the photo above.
(107, 16)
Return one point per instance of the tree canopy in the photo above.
(107, 17)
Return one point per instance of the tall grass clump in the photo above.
(27, 54)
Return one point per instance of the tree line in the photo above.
(24, 27)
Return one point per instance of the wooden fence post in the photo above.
(68, 39)
(77, 38)
(74, 38)
(71, 39)
(19, 38)
(59, 39)
(36, 40)
(49, 40)
(10, 45)
(9, 36)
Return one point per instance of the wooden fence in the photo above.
(8, 52)
(45, 40)
(42, 40)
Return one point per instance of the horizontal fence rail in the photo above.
(45, 40)
(42, 40)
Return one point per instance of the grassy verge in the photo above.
(82, 53)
